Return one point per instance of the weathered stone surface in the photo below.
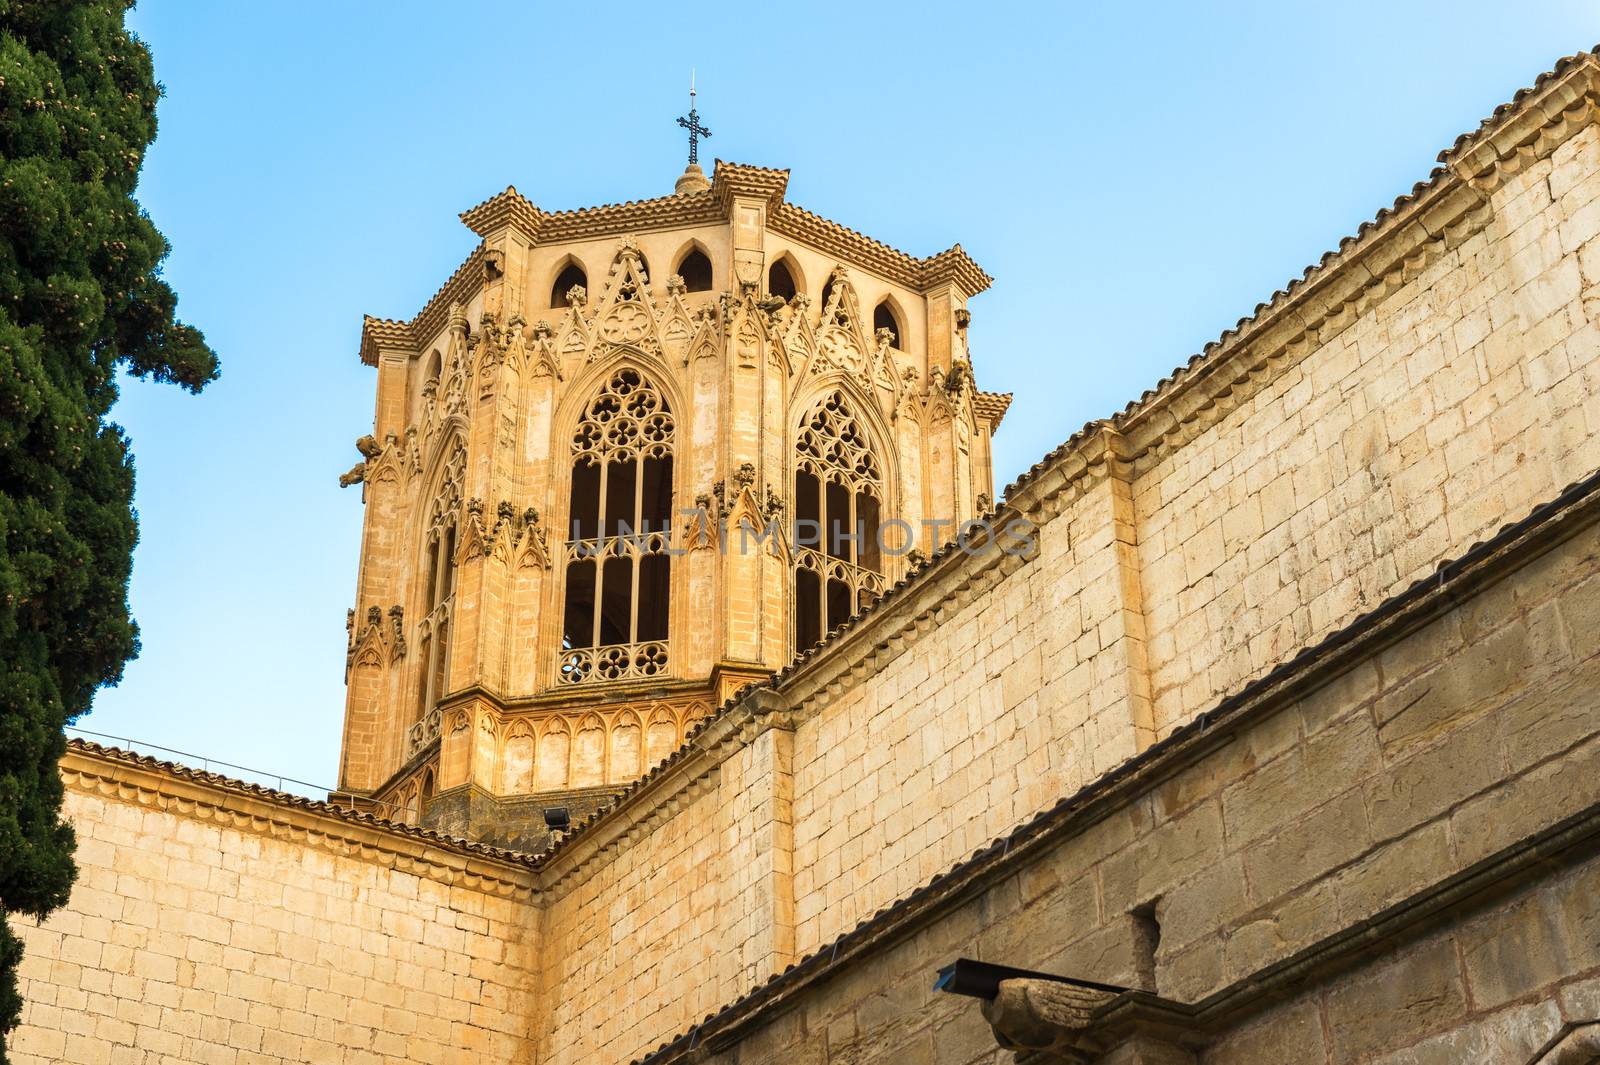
(1290, 1033)
(1513, 1037)
(1420, 990)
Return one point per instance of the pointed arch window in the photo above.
(439, 578)
(560, 290)
(841, 316)
(838, 494)
(618, 571)
(884, 317)
(695, 269)
(781, 280)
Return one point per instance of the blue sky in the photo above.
(1135, 177)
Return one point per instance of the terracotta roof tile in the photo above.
(289, 799)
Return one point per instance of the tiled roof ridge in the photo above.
(690, 208)
(1466, 140)
(992, 405)
(421, 327)
(917, 272)
(1574, 497)
(180, 771)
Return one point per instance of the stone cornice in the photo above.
(1383, 254)
(124, 777)
(379, 335)
(882, 631)
(992, 406)
(662, 212)
(730, 180)
(510, 210)
(1529, 127)
(685, 776)
(953, 265)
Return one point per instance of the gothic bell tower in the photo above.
(628, 460)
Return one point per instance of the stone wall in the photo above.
(1459, 396)
(1392, 845)
(213, 923)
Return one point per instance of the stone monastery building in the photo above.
(1257, 723)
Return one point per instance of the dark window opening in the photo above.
(807, 510)
(841, 318)
(621, 518)
(616, 601)
(838, 522)
(695, 269)
(840, 532)
(585, 510)
(780, 282)
(655, 573)
(622, 497)
(883, 317)
(655, 496)
(808, 609)
(432, 562)
(841, 604)
(578, 620)
(1146, 941)
(868, 527)
(571, 275)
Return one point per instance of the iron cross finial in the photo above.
(692, 124)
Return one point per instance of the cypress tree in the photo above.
(81, 297)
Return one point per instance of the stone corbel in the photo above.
(769, 709)
(1055, 1022)
(1046, 1020)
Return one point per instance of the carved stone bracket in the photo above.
(397, 618)
(1049, 1019)
(1058, 1022)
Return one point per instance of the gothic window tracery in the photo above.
(439, 575)
(618, 571)
(838, 492)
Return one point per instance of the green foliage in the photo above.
(80, 296)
